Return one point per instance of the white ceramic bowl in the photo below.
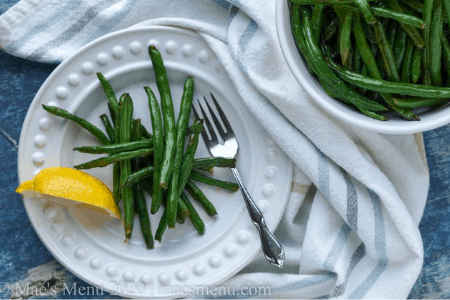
(429, 119)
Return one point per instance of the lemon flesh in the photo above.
(72, 189)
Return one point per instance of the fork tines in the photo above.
(225, 134)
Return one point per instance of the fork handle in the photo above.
(272, 249)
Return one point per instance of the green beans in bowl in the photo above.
(379, 65)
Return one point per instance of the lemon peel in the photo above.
(71, 188)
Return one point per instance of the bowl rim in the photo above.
(429, 120)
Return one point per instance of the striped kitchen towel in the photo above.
(351, 226)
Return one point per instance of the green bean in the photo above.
(427, 16)
(182, 210)
(145, 133)
(147, 185)
(117, 191)
(144, 219)
(185, 170)
(317, 20)
(391, 14)
(116, 148)
(170, 138)
(109, 128)
(299, 40)
(416, 64)
(446, 51)
(409, 11)
(364, 7)
(210, 162)
(332, 93)
(407, 62)
(182, 125)
(331, 28)
(113, 104)
(447, 9)
(351, 59)
(415, 5)
(140, 175)
(372, 114)
(328, 75)
(383, 86)
(161, 227)
(365, 72)
(180, 219)
(426, 79)
(126, 115)
(411, 30)
(193, 215)
(158, 145)
(295, 20)
(369, 60)
(391, 33)
(370, 35)
(104, 161)
(357, 61)
(310, 2)
(135, 136)
(345, 44)
(435, 50)
(112, 114)
(182, 213)
(400, 48)
(386, 52)
(229, 186)
(418, 102)
(94, 130)
(294, 11)
(363, 46)
(198, 196)
(109, 94)
(139, 197)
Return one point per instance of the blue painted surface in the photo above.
(434, 281)
(21, 250)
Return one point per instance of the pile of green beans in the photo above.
(157, 164)
(378, 57)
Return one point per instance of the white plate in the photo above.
(184, 258)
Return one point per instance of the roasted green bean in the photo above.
(94, 130)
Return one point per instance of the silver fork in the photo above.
(272, 249)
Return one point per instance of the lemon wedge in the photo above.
(72, 189)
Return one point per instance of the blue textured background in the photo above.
(21, 249)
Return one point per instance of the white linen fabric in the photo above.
(351, 226)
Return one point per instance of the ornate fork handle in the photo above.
(271, 247)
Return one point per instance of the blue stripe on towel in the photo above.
(352, 202)
(247, 35)
(357, 256)
(336, 249)
(222, 3)
(244, 40)
(232, 13)
(380, 248)
(115, 20)
(306, 282)
(55, 18)
(324, 174)
(90, 14)
(303, 283)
